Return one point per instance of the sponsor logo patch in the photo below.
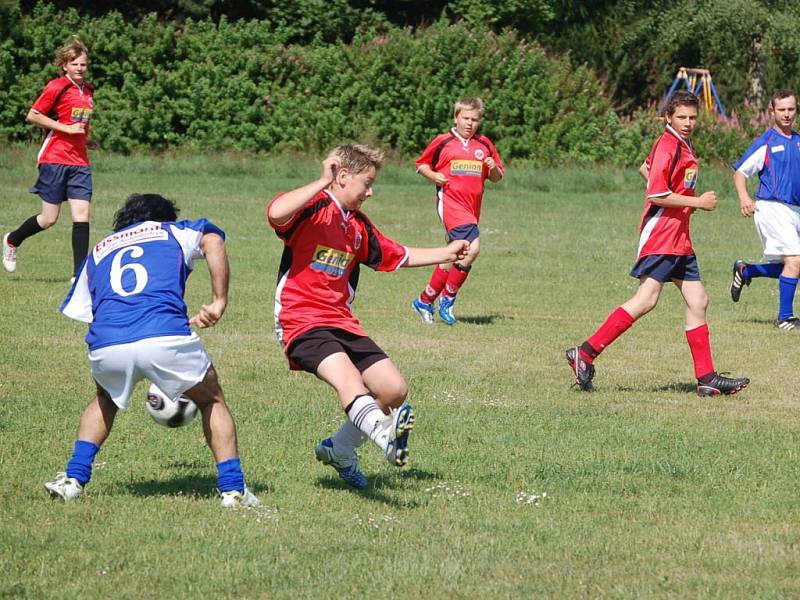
(479, 154)
(80, 115)
(331, 261)
(145, 233)
(778, 148)
(690, 179)
(471, 168)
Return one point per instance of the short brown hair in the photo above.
(70, 51)
(358, 158)
(468, 103)
(780, 95)
(681, 98)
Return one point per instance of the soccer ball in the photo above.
(168, 412)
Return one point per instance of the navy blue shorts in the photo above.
(666, 267)
(468, 232)
(57, 183)
(309, 349)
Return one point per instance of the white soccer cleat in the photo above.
(9, 255)
(64, 487)
(402, 424)
(237, 499)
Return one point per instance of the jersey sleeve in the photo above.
(427, 155)
(78, 303)
(189, 233)
(753, 159)
(496, 156)
(659, 160)
(382, 253)
(44, 103)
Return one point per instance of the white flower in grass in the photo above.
(530, 498)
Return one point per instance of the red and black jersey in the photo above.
(65, 101)
(462, 162)
(673, 169)
(318, 275)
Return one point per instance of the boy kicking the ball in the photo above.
(458, 162)
(666, 254)
(326, 238)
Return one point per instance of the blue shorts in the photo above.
(666, 267)
(57, 183)
(468, 232)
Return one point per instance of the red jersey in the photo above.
(66, 102)
(673, 169)
(461, 161)
(323, 248)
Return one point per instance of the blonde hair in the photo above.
(70, 51)
(468, 103)
(358, 158)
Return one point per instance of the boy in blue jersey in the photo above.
(775, 157)
(130, 291)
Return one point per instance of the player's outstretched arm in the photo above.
(422, 257)
(746, 205)
(644, 171)
(705, 201)
(213, 247)
(286, 205)
(495, 172)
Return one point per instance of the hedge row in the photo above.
(208, 86)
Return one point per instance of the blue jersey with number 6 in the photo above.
(132, 283)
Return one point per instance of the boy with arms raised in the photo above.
(326, 238)
(459, 162)
(666, 254)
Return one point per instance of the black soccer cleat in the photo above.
(581, 369)
(739, 280)
(788, 324)
(722, 385)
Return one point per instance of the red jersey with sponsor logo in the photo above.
(66, 102)
(673, 169)
(323, 248)
(461, 161)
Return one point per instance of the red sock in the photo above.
(455, 281)
(700, 346)
(617, 323)
(435, 285)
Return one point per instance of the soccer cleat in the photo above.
(347, 468)
(788, 324)
(424, 310)
(446, 310)
(583, 370)
(9, 255)
(64, 487)
(739, 280)
(722, 385)
(402, 423)
(237, 499)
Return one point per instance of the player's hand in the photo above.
(74, 128)
(490, 163)
(209, 315)
(92, 144)
(330, 165)
(707, 201)
(438, 179)
(457, 250)
(747, 207)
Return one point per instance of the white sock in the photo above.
(347, 439)
(369, 418)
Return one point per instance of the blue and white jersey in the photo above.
(131, 285)
(776, 159)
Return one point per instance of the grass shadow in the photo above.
(379, 483)
(482, 319)
(197, 486)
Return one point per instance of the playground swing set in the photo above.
(697, 81)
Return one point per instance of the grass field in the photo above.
(520, 485)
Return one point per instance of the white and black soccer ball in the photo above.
(168, 412)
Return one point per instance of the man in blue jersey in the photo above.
(775, 157)
(130, 291)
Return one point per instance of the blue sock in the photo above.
(772, 270)
(230, 475)
(786, 289)
(80, 465)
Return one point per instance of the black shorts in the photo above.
(309, 349)
(666, 267)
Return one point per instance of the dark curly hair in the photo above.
(145, 207)
(681, 98)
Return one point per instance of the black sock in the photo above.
(24, 231)
(80, 244)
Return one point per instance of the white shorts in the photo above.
(174, 363)
(778, 225)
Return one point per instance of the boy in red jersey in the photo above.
(64, 110)
(666, 253)
(459, 162)
(326, 238)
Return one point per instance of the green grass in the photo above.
(520, 486)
